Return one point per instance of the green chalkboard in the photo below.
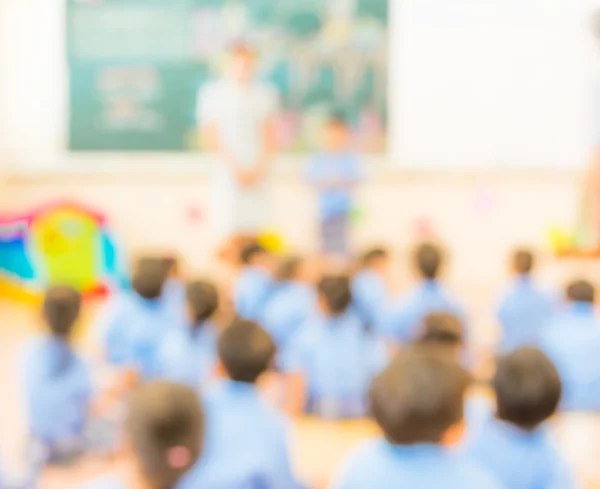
(136, 67)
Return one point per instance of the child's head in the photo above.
(165, 427)
(172, 266)
(528, 388)
(290, 269)
(442, 329)
(202, 301)
(581, 291)
(242, 61)
(377, 259)
(336, 132)
(335, 294)
(246, 351)
(61, 308)
(428, 259)
(149, 277)
(255, 255)
(523, 262)
(419, 397)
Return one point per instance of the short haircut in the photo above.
(443, 329)
(172, 265)
(246, 351)
(528, 388)
(428, 259)
(289, 268)
(336, 291)
(373, 255)
(149, 277)
(581, 291)
(202, 299)
(165, 422)
(61, 308)
(523, 261)
(250, 252)
(419, 396)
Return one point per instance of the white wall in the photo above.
(475, 83)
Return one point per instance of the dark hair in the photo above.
(61, 308)
(149, 277)
(419, 396)
(581, 291)
(528, 388)
(428, 260)
(336, 290)
(172, 265)
(338, 118)
(289, 268)
(440, 328)
(250, 251)
(523, 261)
(373, 255)
(246, 350)
(164, 416)
(203, 301)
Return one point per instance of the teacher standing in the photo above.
(236, 117)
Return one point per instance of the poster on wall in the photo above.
(136, 67)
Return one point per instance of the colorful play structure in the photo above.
(62, 242)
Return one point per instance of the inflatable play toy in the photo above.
(63, 243)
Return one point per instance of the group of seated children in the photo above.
(344, 346)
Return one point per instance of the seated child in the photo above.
(572, 341)
(255, 284)
(188, 355)
(335, 174)
(513, 444)
(333, 357)
(370, 286)
(443, 330)
(174, 291)
(418, 403)
(57, 383)
(401, 322)
(135, 322)
(292, 302)
(525, 309)
(164, 434)
(246, 444)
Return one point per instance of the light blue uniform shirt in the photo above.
(524, 310)
(338, 359)
(517, 458)
(340, 169)
(402, 321)
(175, 300)
(370, 294)
(572, 341)
(57, 394)
(290, 306)
(246, 443)
(116, 483)
(380, 465)
(132, 329)
(189, 356)
(252, 292)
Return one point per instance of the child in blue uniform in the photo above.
(57, 382)
(188, 354)
(525, 309)
(292, 302)
(513, 444)
(174, 290)
(333, 357)
(445, 331)
(246, 443)
(335, 173)
(255, 284)
(370, 288)
(135, 322)
(402, 320)
(572, 341)
(164, 432)
(418, 403)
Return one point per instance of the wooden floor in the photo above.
(318, 446)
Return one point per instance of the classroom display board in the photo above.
(136, 67)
